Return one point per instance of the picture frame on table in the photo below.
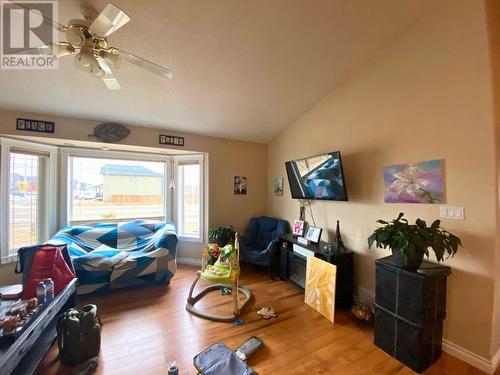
(313, 234)
(298, 228)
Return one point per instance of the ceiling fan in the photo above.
(87, 41)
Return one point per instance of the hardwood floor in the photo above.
(145, 328)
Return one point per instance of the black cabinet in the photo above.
(409, 311)
(291, 266)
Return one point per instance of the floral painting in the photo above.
(320, 286)
(414, 183)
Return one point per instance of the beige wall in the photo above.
(226, 158)
(493, 18)
(425, 96)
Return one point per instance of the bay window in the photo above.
(95, 186)
(110, 186)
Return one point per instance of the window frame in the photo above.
(67, 178)
(48, 192)
(171, 197)
(190, 159)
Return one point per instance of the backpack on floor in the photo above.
(79, 335)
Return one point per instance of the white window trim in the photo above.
(50, 193)
(199, 159)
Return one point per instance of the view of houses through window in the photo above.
(108, 189)
(24, 179)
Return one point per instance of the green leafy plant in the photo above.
(221, 235)
(414, 240)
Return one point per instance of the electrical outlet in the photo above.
(456, 213)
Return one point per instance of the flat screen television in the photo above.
(317, 177)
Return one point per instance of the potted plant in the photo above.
(221, 235)
(410, 242)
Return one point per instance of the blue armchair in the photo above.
(259, 243)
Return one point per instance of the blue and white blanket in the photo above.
(115, 255)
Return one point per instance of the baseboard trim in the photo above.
(483, 364)
(496, 360)
(189, 261)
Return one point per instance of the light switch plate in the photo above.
(448, 212)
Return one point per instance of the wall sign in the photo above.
(171, 140)
(35, 125)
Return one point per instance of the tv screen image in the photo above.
(317, 177)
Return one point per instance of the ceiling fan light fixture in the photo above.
(63, 49)
(86, 62)
(75, 36)
(112, 58)
(109, 20)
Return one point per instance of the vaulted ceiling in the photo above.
(243, 69)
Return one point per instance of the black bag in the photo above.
(79, 335)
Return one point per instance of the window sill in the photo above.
(9, 259)
(190, 239)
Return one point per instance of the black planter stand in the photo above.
(410, 307)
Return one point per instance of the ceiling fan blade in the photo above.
(111, 83)
(108, 21)
(145, 64)
(108, 78)
(59, 50)
(46, 20)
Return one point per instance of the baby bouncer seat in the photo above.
(223, 273)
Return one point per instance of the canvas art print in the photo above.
(414, 183)
(240, 185)
(278, 186)
(320, 286)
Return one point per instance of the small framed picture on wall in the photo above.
(240, 185)
(278, 186)
(313, 234)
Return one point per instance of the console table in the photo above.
(291, 265)
(410, 307)
(23, 355)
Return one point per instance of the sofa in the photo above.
(258, 244)
(116, 255)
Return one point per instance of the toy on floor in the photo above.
(218, 359)
(362, 312)
(224, 273)
(267, 313)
